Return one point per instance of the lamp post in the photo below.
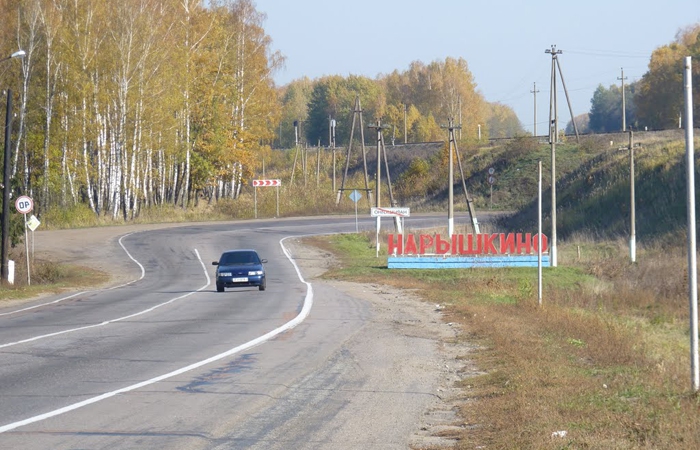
(5, 219)
(17, 54)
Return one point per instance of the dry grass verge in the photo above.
(603, 364)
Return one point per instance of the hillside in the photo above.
(593, 188)
(593, 181)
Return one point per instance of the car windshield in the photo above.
(239, 258)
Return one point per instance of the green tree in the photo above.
(606, 108)
(295, 103)
(660, 99)
(503, 122)
(582, 123)
(334, 96)
(441, 89)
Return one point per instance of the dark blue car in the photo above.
(240, 268)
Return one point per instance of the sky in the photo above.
(503, 42)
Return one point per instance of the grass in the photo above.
(48, 278)
(605, 359)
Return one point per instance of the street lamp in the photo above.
(5, 219)
(17, 54)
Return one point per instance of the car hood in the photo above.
(239, 268)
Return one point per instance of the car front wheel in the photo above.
(219, 287)
(262, 286)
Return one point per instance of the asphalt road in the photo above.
(165, 362)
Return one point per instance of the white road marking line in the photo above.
(143, 273)
(119, 319)
(303, 314)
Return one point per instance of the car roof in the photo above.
(241, 250)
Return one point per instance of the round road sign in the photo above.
(24, 204)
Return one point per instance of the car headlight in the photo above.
(255, 272)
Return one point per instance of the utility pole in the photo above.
(622, 78)
(459, 107)
(553, 135)
(692, 243)
(633, 231)
(6, 182)
(331, 143)
(556, 65)
(405, 128)
(534, 91)
(378, 178)
(451, 127)
(380, 146)
(6, 189)
(357, 111)
(450, 182)
(553, 132)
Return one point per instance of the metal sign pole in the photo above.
(379, 225)
(692, 255)
(539, 232)
(26, 249)
(255, 201)
(357, 227)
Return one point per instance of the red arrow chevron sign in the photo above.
(257, 183)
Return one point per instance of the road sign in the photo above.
(492, 170)
(492, 179)
(391, 212)
(33, 223)
(257, 183)
(24, 204)
(355, 196)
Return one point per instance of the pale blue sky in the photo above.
(503, 42)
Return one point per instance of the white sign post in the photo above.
(355, 196)
(262, 183)
(24, 205)
(397, 213)
(33, 223)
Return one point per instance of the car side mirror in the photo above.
(215, 263)
(263, 261)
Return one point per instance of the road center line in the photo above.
(119, 319)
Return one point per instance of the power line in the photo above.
(611, 53)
